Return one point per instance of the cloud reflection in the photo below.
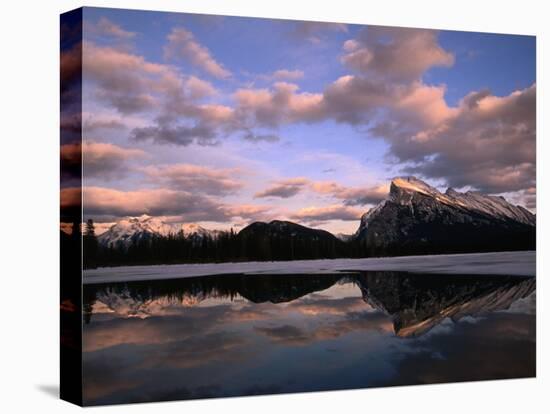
(243, 335)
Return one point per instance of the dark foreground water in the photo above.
(232, 335)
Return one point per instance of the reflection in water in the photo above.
(255, 334)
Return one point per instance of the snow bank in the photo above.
(505, 263)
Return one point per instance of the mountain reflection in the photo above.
(415, 302)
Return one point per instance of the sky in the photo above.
(223, 121)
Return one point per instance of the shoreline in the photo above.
(514, 263)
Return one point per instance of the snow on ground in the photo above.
(505, 263)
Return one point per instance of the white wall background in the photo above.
(29, 204)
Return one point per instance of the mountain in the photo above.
(132, 230)
(414, 219)
(344, 237)
(284, 240)
(418, 219)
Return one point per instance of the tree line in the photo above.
(227, 246)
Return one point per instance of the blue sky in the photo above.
(254, 119)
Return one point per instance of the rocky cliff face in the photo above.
(417, 219)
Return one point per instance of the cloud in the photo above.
(528, 197)
(315, 32)
(199, 88)
(247, 211)
(252, 137)
(394, 89)
(352, 195)
(395, 53)
(286, 75)
(101, 203)
(127, 81)
(279, 105)
(177, 135)
(128, 104)
(332, 212)
(486, 141)
(195, 178)
(488, 144)
(423, 105)
(183, 45)
(105, 27)
(133, 85)
(350, 99)
(118, 70)
(349, 195)
(284, 188)
(98, 158)
(93, 122)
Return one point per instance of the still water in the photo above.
(232, 335)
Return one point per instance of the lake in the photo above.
(236, 334)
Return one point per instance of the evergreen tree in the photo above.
(90, 246)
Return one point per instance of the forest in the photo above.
(226, 247)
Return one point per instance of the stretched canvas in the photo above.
(261, 206)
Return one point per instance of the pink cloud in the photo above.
(183, 45)
(114, 68)
(396, 53)
(105, 27)
(108, 204)
(352, 195)
(315, 32)
(325, 213)
(247, 211)
(98, 158)
(131, 84)
(349, 195)
(279, 105)
(425, 104)
(284, 188)
(287, 75)
(488, 143)
(199, 179)
(199, 88)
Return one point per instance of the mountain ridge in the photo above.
(415, 218)
(131, 230)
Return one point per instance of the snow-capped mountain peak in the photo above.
(495, 206)
(418, 214)
(413, 184)
(193, 229)
(130, 230)
(403, 189)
